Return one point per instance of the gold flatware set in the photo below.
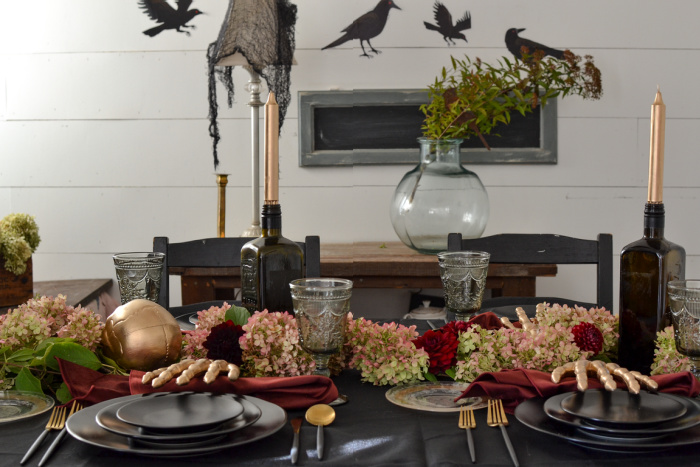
(57, 422)
(496, 417)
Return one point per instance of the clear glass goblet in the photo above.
(684, 302)
(139, 275)
(321, 307)
(463, 275)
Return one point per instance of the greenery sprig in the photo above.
(473, 97)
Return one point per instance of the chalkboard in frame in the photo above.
(380, 126)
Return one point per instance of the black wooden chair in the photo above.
(217, 253)
(545, 249)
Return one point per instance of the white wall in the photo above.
(103, 130)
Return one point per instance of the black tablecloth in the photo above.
(368, 430)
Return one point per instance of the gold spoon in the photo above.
(320, 415)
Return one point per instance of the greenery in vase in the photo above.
(473, 97)
(19, 238)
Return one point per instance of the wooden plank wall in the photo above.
(103, 130)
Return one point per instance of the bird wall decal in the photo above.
(170, 18)
(449, 31)
(515, 45)
(366, 27)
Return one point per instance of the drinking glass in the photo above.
(138, 275)
(684, 298)
(321, 307)
(463, 275)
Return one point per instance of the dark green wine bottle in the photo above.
(268, 264)
(646, 266)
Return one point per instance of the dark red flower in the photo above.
(222, 343)
(441, 348)
(588, 337)
(456, 327)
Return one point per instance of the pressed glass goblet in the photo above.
(139, 275)
(463, 275)
(684, 301)
(321, 307)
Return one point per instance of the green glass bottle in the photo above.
(268, 264)
(647, 265)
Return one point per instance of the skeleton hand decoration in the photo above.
(605, 373)
(527, 325)
(188, 369)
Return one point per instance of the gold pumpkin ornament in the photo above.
(142, 335)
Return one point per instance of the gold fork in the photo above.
(467, 422)
(497, 417)
(74, 408)
(56, 421)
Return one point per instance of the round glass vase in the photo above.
(438, 197)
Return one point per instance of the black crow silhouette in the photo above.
(162, 12)
(366, 27)
(515, 44)
(443, 18)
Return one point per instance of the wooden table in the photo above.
(77, 291)
(371, 265)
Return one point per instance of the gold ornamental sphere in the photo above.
(142, 335)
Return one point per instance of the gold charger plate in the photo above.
(433, 397)
(16, 405)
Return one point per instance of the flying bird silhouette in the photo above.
(366, 27)
(515, 44)
(443, 18)
(162, 12)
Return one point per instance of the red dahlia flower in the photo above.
(222, 343)
(441, 348)
(588, 337)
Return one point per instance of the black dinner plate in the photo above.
(622, 408)
(83, 426)
(531, 414)
(552, 408)
(180, 412)
(107, 419)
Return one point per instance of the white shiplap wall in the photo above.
(103, 130)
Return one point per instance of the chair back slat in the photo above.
(547, 249)
(220, 253)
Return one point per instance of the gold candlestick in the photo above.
(221, 181)
(656, 150)
(272, 126)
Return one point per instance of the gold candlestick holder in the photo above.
(221, 181)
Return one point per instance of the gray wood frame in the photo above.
(309, 157)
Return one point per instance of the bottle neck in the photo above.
(271, 220)
(442, 150)
(654, 220)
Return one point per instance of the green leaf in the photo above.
(63, 394)
(72, 352)
(22, 355)
(451, 373)
(237, 314)
(26, 381)
(429, 376)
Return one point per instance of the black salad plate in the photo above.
(107, 419)
(689, 419)
(180, 412)
(531, 414)
(83, 426)
(622, 408)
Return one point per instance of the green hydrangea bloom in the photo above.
(19, 237)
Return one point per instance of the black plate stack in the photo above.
(184, 423)
(616, 421)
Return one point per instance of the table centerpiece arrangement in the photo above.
(19, 238)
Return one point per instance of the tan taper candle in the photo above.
(656, 150)
(272, 126)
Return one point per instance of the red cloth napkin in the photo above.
(297, 392)
(515, 386)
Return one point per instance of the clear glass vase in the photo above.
(438, 197)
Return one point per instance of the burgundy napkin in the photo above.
(297, 392)
(515, 386)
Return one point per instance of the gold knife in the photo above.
(296, 426)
